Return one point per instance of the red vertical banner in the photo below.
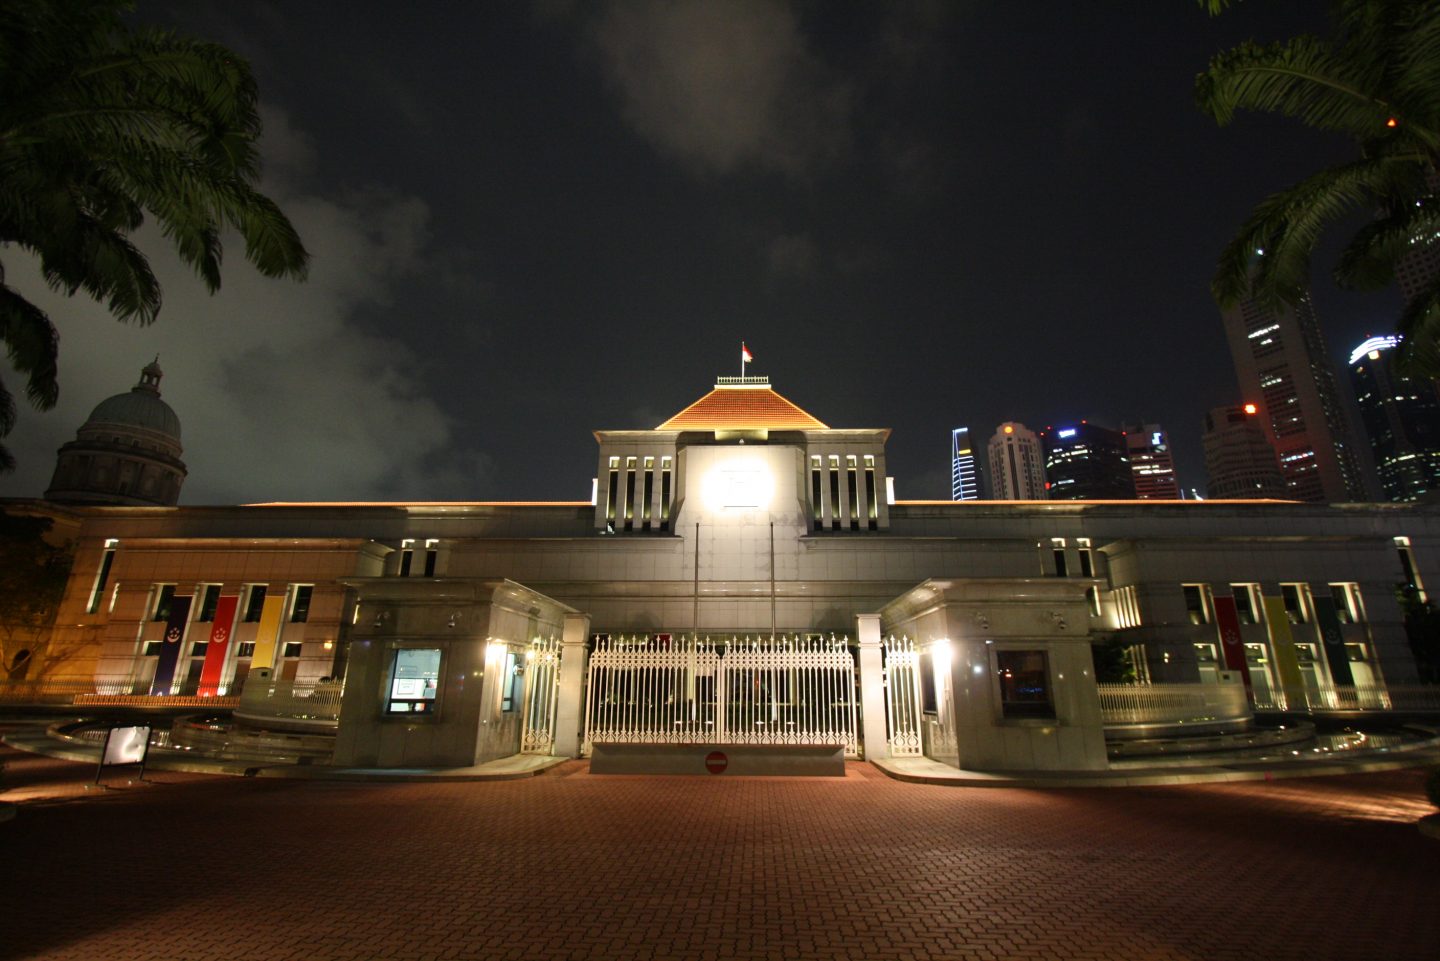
(221, 629)
(1228, 622)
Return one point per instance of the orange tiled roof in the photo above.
(742, 408)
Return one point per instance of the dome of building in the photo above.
(140, 406)
(127, 451)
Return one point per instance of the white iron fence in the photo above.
(316, 703)
(542, 690)
(902, 697)
(669, 689)
(1172, 703)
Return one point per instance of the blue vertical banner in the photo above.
(170, 647)
(1333, 640)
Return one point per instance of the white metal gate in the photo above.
(670, 689)
(542, 690)
(902, 697)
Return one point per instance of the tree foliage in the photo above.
(1376, 82)
(102, 126)
(33, 574)
(1422, 630)
(1111, 657)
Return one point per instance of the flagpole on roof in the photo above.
(742, 358)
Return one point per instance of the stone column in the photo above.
(872, 687)
(573, 663)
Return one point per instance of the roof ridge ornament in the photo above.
(760, 381)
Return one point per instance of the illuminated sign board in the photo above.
(414, 681)
(1067, 432)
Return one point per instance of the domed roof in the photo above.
(140, 407)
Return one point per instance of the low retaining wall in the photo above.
(806, 760)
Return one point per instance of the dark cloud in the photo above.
(281, 394)
(724, 86)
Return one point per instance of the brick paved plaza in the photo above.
(573, 865)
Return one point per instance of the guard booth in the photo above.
(437, 671)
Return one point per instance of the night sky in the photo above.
(530, 221)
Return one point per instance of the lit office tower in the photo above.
(1239, 457)
(1419, 267)
(1087, 463)
(1402, 418)
(1017, 469)
(1152, 465)
(1280, 361)
(964, 470)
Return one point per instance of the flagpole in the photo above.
(742, 360)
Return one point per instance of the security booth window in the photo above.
(1024, 684)
(414, 681)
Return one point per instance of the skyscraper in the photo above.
(1280, 361)
(1152, 465)
(964, 471)
(1087, 462)
(1239, 458)
(1402, 419)
(1017, 471)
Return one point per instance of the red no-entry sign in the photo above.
(716, 762)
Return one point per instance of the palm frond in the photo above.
(1368, 262)
(33, 345)
(1269, 258)
(1419, 329)
(1302, 78)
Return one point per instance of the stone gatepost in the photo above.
(872, 687)
(569, 714)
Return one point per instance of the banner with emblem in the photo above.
(268, 631)
(221, 630)
(170, 648)
(1227, 620)
(1333, 640)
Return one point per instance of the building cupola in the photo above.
(127, 452)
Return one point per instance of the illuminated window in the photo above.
(664, 493)
(834, 492)
(612, 488)
(1407, 565)
(414, 681)
(648, 493)
(164, 600)
(300, 603)
(513, 684)
(101, 577)
(872, 510)
(852, 488)
(209, 600)
(432, 555)
(1057, 550)
(1247, 602)
(254, 603)
(1349, 608)
(1024, 679)
(1297, 607)
(1198, 603)
(1087, 566)
(407, 557)
(629, 493)
(817, 504)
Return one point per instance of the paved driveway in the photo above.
(573, 865)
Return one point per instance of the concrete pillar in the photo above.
(573, 664)
(872, 687)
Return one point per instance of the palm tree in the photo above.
(1376, 82)
(101, 126)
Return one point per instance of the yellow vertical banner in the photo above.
(269, 631)
(1282, 648)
